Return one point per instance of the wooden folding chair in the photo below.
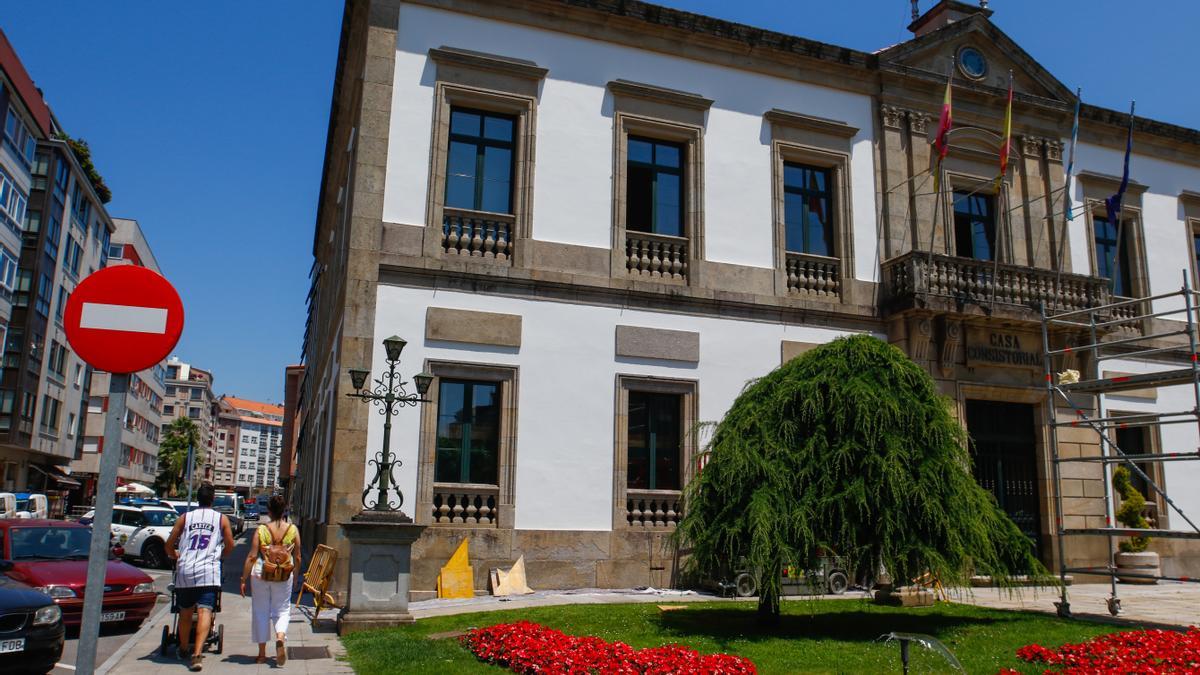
(316, 580)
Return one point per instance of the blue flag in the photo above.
(1112, 205)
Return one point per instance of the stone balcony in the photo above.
(918, 280)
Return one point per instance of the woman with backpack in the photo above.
(272, 565)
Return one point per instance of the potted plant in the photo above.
(1132, 557)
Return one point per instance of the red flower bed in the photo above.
(525, 647)
(1140, 651)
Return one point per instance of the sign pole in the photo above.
(93, 594)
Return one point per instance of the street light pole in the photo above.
(390, 395)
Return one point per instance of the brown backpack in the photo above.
(277, 559)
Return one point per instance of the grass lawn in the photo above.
(818, 636)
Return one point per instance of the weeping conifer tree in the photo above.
(850, 449)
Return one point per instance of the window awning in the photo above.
(55, 474)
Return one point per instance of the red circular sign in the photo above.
(124, 319)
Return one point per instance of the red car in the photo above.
(52, 556)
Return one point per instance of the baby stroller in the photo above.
(214, 641)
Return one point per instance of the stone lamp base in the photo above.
(380, 560)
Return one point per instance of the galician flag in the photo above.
(1006, 143)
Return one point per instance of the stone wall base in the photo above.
(554, 559)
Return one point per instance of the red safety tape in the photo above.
(1122, 378)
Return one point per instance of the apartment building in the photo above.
(594, 222)
(26, 121)
(188, 392)
(250, 434)
(144, 402)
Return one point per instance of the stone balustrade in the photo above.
(657, 256)
(983, 282)
(653, 508)
(816, 275)
(465, 504)
(473, 234)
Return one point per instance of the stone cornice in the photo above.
(466, 58)
(1189, 196)
(658, 94)
(818, 125)
(1112, 182)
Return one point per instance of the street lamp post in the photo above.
(381, 535)
(390, 395)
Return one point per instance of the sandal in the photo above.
(261, 658)
(280, 653)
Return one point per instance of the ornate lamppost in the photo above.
(381, 536)
(390, 395)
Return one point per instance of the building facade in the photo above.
(292, 419)
(251, 435)
(188, 392)
(595, 222)
(142, 429)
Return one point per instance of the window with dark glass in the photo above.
(807, 209)
(655, 440)
(468, 432)
(974, 225)
(1196, 253)
(44, 295)
(479, 165)
(1112, 256)
(654, 191)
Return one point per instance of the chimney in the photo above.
(944, 13)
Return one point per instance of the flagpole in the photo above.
(1119, 200)
(1068, 211)
(945, 121)
(1005, 150)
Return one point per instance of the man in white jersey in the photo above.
(198, 542)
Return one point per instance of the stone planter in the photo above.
(1146, 562)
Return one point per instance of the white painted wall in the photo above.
(573, 181)
(567, 383)
(1181, 478)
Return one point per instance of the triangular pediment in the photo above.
(937, 51)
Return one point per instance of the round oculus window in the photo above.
(971, 63)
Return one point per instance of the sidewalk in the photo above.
(309, 651)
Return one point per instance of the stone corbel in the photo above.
(1054, 150)
(951, 333)
(920, 338)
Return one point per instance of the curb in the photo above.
(149, 625)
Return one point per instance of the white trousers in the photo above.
(272, 608)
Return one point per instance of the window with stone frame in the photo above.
(468, 446)
(1112, 247)
(658, 228)
(481, 169)
(654, 450)
(1143, 440)
(810, 173)
(974, 224)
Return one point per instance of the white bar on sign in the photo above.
(123, 317)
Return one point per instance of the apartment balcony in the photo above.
(918, 280)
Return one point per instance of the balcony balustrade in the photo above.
(813, 275)
(465, 504)
(657, 256)
(660, 509)
(472, 234)
(984, 283)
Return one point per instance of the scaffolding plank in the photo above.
(1132, 532)
(1154, 457)
(1165, 378)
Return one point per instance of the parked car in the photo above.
(141, 531)
(31, 628)
(8, 505)
(32, 505)
(251, 512)
(230, 504)
(52, 556)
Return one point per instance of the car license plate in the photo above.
(112, 616)
(7, 646)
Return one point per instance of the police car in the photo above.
(142, 531)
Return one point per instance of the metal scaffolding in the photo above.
(1121, 330)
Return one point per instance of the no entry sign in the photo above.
(124, 319)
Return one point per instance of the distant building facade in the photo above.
(142, 430)
(253, 441)
(189, 393)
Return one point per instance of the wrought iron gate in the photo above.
(1004, 451)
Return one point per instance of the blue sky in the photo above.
(208, 122)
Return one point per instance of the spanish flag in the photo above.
(1006, 143)
(939, 141)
